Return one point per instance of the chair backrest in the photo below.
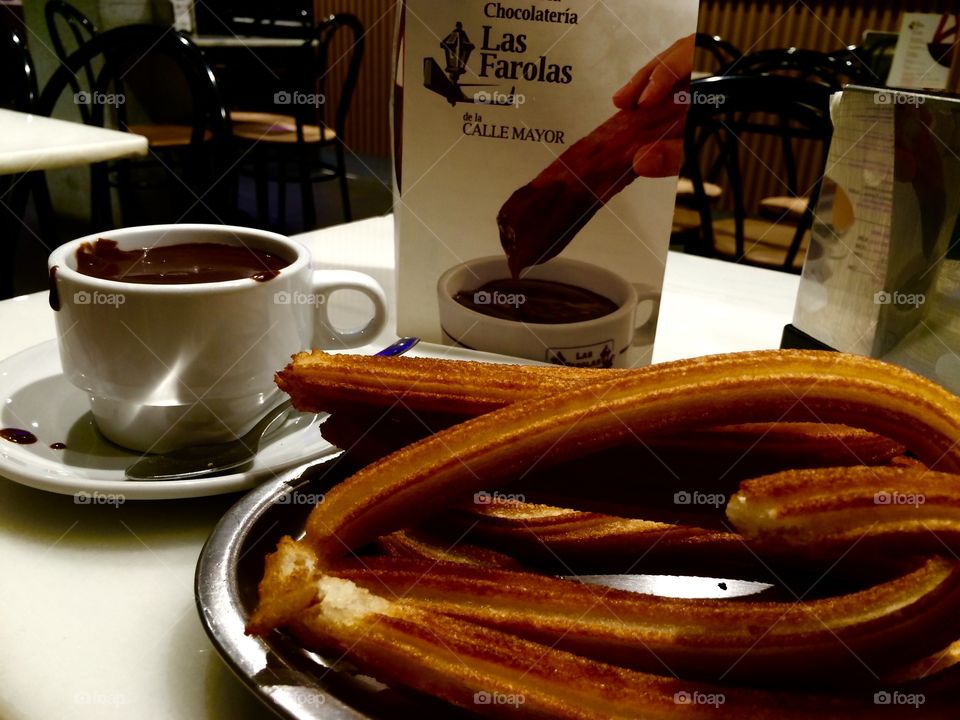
(128, 58)
(335, 50)
(255, 18)
(62, 15)
(723, 53)
(875, 57)
(125, 50)
(19, 89)
(69, 31)
(830, 69)
(718, 136)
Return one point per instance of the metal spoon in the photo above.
(204, 460)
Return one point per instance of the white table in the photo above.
(245, 41)
(98, 618)
(33, 142)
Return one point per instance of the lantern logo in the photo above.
(445, 81)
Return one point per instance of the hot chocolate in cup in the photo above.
(565, 312)
(175, 353)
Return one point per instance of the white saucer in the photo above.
(37, 398)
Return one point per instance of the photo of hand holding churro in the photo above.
(643, 139)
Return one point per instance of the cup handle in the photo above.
(645, 333)
(325, 283)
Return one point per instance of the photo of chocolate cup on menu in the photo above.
(565, 312)
(175, 331)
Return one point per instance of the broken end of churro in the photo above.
(342, 603)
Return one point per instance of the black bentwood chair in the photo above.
(301, 135)
(831, 69)
(69, 31)
(686, 217)
(19, 92)
(148, 76)
(718, 135)
(724, 53)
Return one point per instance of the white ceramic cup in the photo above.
(602, 342)
(168, 366)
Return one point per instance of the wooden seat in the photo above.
(167, 136)
(765, 243)
(685, 190)
(784, 207)
(686, 217)
(277, 128)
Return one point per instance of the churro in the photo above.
(420, 545)
(928, 667)
(553, 537)
(320, 382)
(725, 455)
(406, 644)
(784, 444)
(846, 640)
(506, 444)
(838, 509)
(458, 622)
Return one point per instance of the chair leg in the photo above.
(10, 212)
(130, 195)
(100, 211)
(306, 193)
(228, 189)
(344, 187)
(233, 192)
(260, 179)
(282, 194)
(44, 206)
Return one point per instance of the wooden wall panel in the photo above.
(368, 129)
(816, 24)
